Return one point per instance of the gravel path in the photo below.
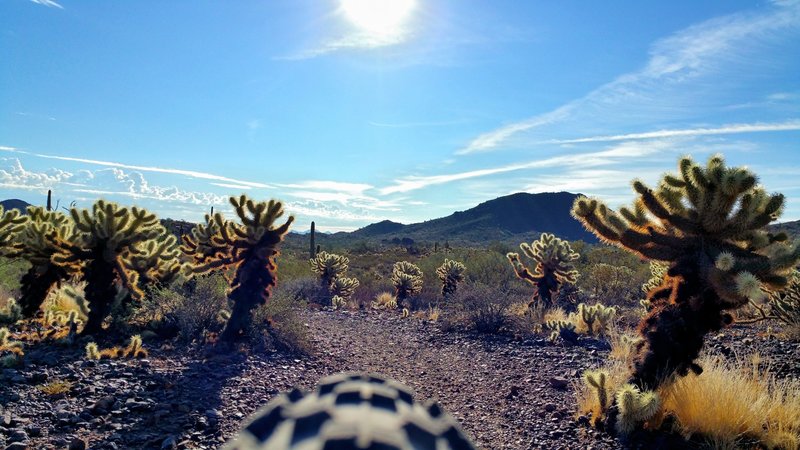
(507, 394)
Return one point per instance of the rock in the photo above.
(170, 443)
(77, 444)
(34, 430)
(103, 405)
(17, 446)
(550, 407)
(560, 383)
(17, 435)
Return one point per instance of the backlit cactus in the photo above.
(596, 380)
(43, 236)
(553, 258)
(99, 249)
(785, 304)
(407, 281)
(331, 269)
(706, 223)
(248, 247)
(450, 273)
(635, 407)
(11, 223)
(598, 314)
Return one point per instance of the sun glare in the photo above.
(378, 17)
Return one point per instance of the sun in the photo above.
(378, 17)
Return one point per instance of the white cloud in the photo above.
(188, 173)
(49, 3)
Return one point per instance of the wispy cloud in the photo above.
(49, 3)
(623, 151)
(790, 125)
(188, 173)
(353, 41)
(662, 89)
(37, 116)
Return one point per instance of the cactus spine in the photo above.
(248, 247)
(451, 273)
(11, 223)
(407, 280)
(706, 223)
(553, 258)
(635, 408)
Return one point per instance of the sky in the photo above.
(356, 111)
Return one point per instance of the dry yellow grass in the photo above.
(55, 387)
(384, 300)
(731, 402)
(734, 400)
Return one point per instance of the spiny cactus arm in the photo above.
(12, 222)
(521, 270)
(658, 208)
(613, 229)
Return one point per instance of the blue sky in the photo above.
(351, 114)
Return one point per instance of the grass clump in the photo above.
(55, 388)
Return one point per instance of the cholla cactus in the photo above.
(407, 280)
(596, 380)
(707, 224)
(598, 313)
(11, 223)
(329, 266)
(11, 313)
(338, 302)
(785, 304)
(331, 269)
(249, 247)
(135, 349)
(553, 258)
(40, 239)
(9, 346)
(450, 273)
(635, 408)
(156, 261)
(92, 352)
(562, 329)
(343, 287)
(99, 249)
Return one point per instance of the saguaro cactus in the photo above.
(104, 240)
(249, 247)
(312, 248)
(407, 280)
(553, 258)
(450, 273)
(707, 224)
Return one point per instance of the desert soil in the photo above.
(507, 394)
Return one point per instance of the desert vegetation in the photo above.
(642, 311)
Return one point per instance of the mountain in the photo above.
(511, 218)
(15, 203)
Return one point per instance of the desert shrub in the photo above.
(385, 300)
(277, 324)
(190, 311)
(11, 351)
(479, 308)
(611, 284)
(11, 272)
(303, 289)
(10, 312)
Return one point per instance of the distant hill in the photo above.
(15, 203)
(511, 219)
(791, 228)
